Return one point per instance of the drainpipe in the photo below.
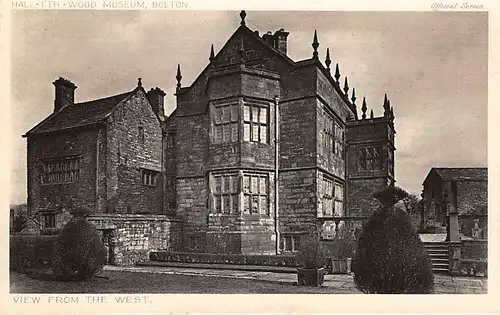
(98, 143)
(276, 185)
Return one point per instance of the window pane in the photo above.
(218, 200)
(235, 202)
(246, 113)
(234, 184)
(263, 186)
(225, 114)
(255, 185)
(263, 205)
(288, 244)
(246, 132)
(234, 132)
(218, 134)
(255, 204)
(339, 211)
(263, 115)
(234, 112)
(227, 133)
(218, 115)
(255, 132)
(255, 114)
(246, 206)
(263, 134)
(246, 184)
(218, 185)
(225, 184)
(296, 242)
(227, 204)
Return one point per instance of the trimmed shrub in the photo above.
(79, 251)
(31, 251)
(390, 257)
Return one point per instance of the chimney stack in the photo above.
(278, 40)
(156, 97)
(65, 93)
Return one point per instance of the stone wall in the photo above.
(54, 197)
(472, 197)
(131, 237)
(129, 154)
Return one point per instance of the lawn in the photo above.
(129, 282)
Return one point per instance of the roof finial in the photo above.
(328, 61)
(363, 108)
(139, 82)
(212, 54)
(243, 15)
(392, 113)
(353, 97)
(371, 114)
(315, 45)
(337, 73)
(346, 87)
(178, 77)
(387, 108)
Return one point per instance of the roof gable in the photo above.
(80, 114)
(461, 173)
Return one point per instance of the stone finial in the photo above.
(315, 45)
(212, 54)
(364, 108)
(139, 82)
(371, 114)
(391, 113)
(346, 87)
(353, 97)
(328, 61)
(337, 72)
(386, 106)
(243, 15)
(178, 77)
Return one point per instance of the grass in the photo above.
(129, 283)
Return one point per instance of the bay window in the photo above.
(255, 123)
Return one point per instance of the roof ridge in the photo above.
(105, 98)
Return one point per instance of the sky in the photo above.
(432, 65)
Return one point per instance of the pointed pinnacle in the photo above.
(387, 108)
(363, 108)
(139, 82)
(392, 113)
(328, 61)
(346, 86)
(212, 54)
(315, 45)
(337, 73)
(353, 97)
(371, 114)
(178, 76)
(385, 100)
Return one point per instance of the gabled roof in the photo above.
(462, 173)
(80, 114)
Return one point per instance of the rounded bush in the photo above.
(390, 257)
(79, 251)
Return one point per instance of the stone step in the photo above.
(218, 266)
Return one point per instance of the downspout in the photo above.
(98, 143)
(276, 177)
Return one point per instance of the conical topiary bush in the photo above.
(79, 251)
(390, 257)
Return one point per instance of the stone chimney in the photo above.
(280, 40)
(65, 93)
(156, 97)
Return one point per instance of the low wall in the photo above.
(130, 238)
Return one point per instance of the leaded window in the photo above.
(256, 123)
(225, 123)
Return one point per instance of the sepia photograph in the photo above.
(247, 151)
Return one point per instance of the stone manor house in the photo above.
(260, 150)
